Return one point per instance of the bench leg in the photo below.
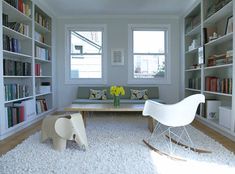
(150, 124)
(84, 115)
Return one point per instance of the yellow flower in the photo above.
(117, 90)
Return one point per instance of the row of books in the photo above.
(42, 20)
(16, 68)
(11, 44)
(41, 106)
(42, 53)
(216, 84)
(19, 111)
(15, 91)
(194, 83)
(19, 27)
(23, 6)
(15, 115)
(39, 37)
(38, 69)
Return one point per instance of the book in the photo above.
(38, 69)
(28, 108)
(5, 19)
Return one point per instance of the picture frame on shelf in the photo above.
(117, 57)
(229, 25)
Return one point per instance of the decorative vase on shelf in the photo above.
(116, 101)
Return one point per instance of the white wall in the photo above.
(117, 28)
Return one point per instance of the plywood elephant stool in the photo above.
(62, 128)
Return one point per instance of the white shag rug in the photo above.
(115, 146)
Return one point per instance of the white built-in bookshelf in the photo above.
(208, 32)
(26, 65)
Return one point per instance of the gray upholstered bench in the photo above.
(84, 92)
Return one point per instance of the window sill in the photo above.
(149, 81)
(84, 82)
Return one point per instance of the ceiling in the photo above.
(118, 7)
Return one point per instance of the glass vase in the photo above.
(116, 101)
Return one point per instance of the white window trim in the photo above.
(85, 81)
(167, 78)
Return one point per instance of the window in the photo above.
(86, 54)
(149, 57)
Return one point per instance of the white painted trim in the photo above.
(90, 81)
(167, 79)
(82, 16)
(2, 92)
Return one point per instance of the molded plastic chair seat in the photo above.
(173, 115)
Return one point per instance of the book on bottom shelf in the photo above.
(15, 115)
(41, 106)
(28, 108)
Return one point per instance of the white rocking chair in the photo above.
(170, 117)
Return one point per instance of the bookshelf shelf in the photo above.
(215, 124)
(218, 93)
(43, 113)
(15, 13)
(22, 39)
(19, 99)
(48, 93)
(191, 89)
(222, 13)
(194, 69)
(211, 78)
(220, 40)
(17, 76)
(194, 31)
(42, 60)
(43, 76)
(15, 34)
(16, 55)
(219, 66)
(193, 51)
(14, 127)
(41, 29)
(42, 44)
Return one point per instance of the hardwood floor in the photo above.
(12, 141)
(226, 142)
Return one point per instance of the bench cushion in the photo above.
(122, 101)
(84, 92)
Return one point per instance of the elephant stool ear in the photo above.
(63, 128)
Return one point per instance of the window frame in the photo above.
(85, 81)
(148, 27)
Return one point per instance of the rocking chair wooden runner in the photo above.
(170, 118)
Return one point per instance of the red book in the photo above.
(21, 108)
(20, 5)
(226, 86)
(208, 85)
(36, 70)
(213, 84)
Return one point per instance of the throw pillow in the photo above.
(139, 94)
(98, 94)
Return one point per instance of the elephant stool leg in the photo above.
(59, 144)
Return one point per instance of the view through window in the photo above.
(86, 54)
(149, 54)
